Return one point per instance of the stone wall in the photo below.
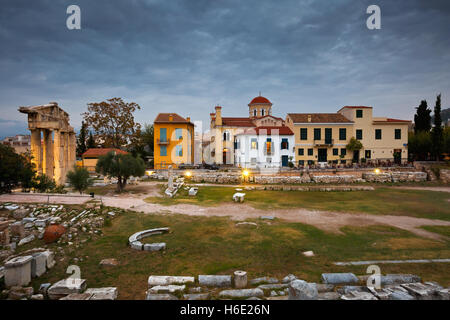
(395, 177)
(312, 177)
(335, 179)
(444, 175)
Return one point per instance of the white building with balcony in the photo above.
(264, 148)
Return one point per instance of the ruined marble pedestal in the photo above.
(18, 271)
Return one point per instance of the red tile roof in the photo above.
(318, 118)
(164, 118)
(260, 100)
(392, 120)
(97, 152)
(356, 107)
(237, 122)
(282, 131)
(268, 115)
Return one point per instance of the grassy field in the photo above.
(416, 203)
(200, 245)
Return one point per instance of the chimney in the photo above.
(188, 119)
(218, 115)
(309, 118)
(170, 117)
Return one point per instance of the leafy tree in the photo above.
(144, 143)
(422, 118)
(446, 138)
(79, 179)
(15, 169)
(445, 115)
(113, 122)
(81, 142)
(91, 142)
(354, 145)
(43, 183)
(120, 166)
(437, 132)
(419, 145)
(27, 173)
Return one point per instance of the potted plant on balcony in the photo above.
(355, 146)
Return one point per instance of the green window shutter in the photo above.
(359, 134)
(317, 135)
(163, 151)
(359, 113)
(342, 134)
(378, 134)
(163, 134)
(303, 134)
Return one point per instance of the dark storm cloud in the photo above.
(186, 56)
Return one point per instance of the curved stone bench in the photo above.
(134, 242)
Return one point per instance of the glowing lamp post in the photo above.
(188, 174)
(245, 174)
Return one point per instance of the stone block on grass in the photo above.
(18, 271)
(214, 280)
(302, 290)
(339, 278)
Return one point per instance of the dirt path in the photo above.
(440, 189)
(325, 220)
(328, 221)
(40, 198)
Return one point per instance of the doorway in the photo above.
(225, 156)
(356, 156)
(322, 155)
(284, 161)
(398, 156)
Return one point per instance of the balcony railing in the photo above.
(163, 141)
(269, 152)
(324, 142)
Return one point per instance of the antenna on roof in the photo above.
(260, 93)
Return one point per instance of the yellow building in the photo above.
(90, 157)
(174, 140)
(322, 137)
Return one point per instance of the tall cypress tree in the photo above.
(91, 142)
(81, 143)
(437, 133)
(422, 118)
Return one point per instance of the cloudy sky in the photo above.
(186, 56)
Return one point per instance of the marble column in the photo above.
(36, 149)
(58, 156)
(47, 157)
(66, 152)
(72, 150)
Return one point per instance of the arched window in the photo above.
(254, 113)
(262, 112)
(226, 136)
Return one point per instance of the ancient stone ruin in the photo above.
(334, 286)
(135, 243)
(56, 155)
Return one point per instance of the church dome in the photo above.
(260, 100)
